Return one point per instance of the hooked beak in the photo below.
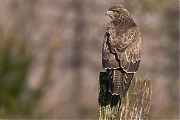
(109, 12)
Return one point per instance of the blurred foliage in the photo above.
(153, 5)
(149, 6)
(17, 100)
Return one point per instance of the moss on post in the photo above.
(135, 105)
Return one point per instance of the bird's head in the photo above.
(118, 12)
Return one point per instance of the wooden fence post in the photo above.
(134, 106)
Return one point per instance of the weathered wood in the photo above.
(134, 106)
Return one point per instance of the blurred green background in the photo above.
(50, 56)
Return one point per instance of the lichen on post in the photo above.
(135, 105)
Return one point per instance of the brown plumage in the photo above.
(121, 50)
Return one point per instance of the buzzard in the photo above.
(121, 50)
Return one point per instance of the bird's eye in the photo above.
(114, 10)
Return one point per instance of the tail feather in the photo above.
(127, 81)
(119, 83)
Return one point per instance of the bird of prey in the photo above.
(121, 50)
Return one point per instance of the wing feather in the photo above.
(130, 58)
(122, 51)
(109, 59)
